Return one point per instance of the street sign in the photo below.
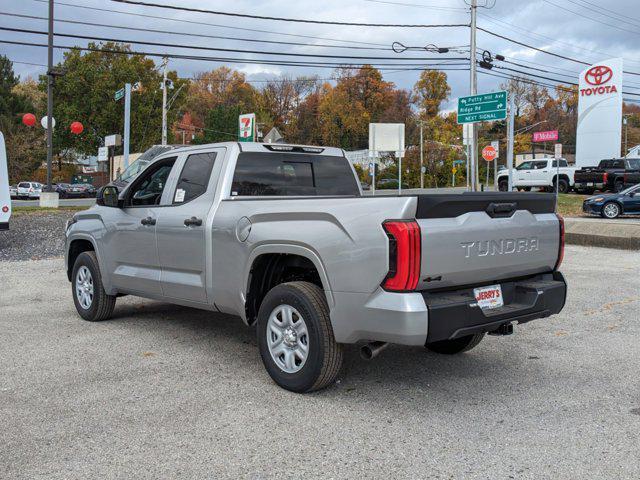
(103, 154)
(247, 127)
(119, 94)
(114, 140)
(557, 151)
(496, 144)
(548, 136)
(483, 107)
(489, 153)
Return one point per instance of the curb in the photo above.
(602, 233)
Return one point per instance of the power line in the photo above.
(564, 57)
(173, 32)
(583, 16)
(531, 34)
(606, 12)
(393, 66)
(419, 5)
(230, 50)
(285, 19)
(207, 24)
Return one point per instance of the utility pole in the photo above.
(127, 123)
(474, 90)
(625, 120)
(50, 78)
(421, 158)
(165, 61)
(510, 140)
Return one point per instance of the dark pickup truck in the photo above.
(614, 175)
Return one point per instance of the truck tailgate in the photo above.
(477, 238)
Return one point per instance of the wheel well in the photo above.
(75, 249)
(271, 269)
(562, 177)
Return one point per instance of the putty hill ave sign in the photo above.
(482, 108)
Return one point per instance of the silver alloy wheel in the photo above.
(287, 338)
(611, 210)
(84, 287)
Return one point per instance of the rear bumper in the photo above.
(587, 185)
(454, 314)
(422, 317)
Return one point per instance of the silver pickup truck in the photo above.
(281, 236)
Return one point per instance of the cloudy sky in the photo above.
(584, 30)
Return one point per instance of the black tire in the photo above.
(324, 357)
(101, 307)
(618, 186)
(457, 345)
(613, 210)
(503, 185)
(563, 186)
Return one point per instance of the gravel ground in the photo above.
(34, 235)
(162, 391)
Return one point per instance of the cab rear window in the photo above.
(292, 174)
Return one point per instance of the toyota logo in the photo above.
(598, 75)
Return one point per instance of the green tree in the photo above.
(86, 94)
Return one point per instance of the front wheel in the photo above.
(563, 186)
(503, 185)
(611, 210)
(457, 345)
(92, 302)
(618, 186)
(296, 338)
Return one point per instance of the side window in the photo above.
(148, 188)
(563, 163)
(524, 166)
(541, 165)
(194, 177)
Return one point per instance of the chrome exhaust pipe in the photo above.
(371, 350)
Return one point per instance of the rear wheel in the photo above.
(296, 338)
(91, 300)
(618, 186)
(457, 345)
(611, 210)
(563, 185)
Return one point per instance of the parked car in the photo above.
(613, 205)
(389, 183)
(365, 186)
(29, 190)
(539, 173)
(612, 175)
(13, 191)
(70, 190)
(281, 236)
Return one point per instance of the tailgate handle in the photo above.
(501, 210)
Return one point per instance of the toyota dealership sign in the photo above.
(599, 113)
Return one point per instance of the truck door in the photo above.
(130, 241)
(182, 233)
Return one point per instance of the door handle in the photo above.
(192, 222)
(148, 221)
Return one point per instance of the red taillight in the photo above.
(605, 177)
(404, 255)
(561, 245)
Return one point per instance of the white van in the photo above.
(5, 198)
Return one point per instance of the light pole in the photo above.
(625, 121)
(50, 78)
(473, 80)
(165, 61)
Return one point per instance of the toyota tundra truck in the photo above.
(282, 237)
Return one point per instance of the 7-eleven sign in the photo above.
(247, 127)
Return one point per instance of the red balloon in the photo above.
(29, 119)
(77, 128)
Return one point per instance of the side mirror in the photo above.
(632, 194)
(108, 197)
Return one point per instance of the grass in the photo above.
(30, 210)
(570, 204)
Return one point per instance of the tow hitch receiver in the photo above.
(504, 329)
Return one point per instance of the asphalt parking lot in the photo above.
(164, 392)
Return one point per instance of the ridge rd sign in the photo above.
(489, 153)
(483, 107)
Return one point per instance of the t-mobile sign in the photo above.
(548, 136)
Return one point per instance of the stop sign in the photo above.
(489, 153)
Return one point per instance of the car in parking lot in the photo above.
(612, 205)
(13, 191)
(29, 190)
(69, 190)
(389, 183)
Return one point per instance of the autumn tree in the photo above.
(430, 91)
